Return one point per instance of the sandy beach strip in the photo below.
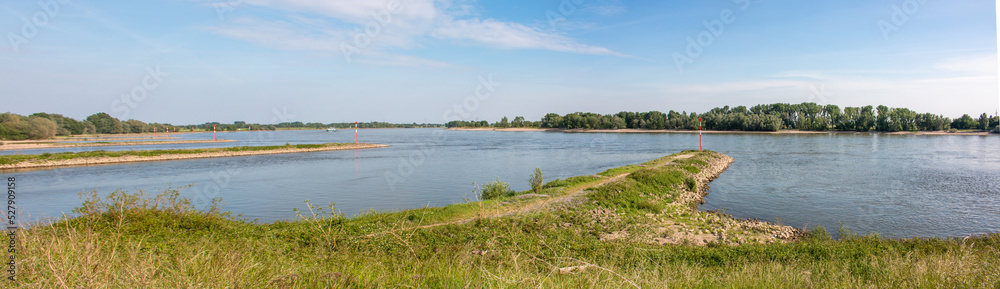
(50, 145)
(215, 153)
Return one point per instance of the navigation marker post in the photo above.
(213, 132)
(699, 130)
(356, 128)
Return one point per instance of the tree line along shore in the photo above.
(636, 226)
(53, 160)
(765, 117)
(39, 126)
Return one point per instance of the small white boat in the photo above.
(331, 129)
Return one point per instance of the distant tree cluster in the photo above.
(19, 127)
(48, 125)
(764, 117)
(104, 123)
(242, 125)
(518, 122)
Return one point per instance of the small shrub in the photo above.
(495, 189)
(45, 155)
(818, 234)
(691, 184)
(536, 180)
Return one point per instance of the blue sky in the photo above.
(192, 61)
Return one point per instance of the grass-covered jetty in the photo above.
(100, 157)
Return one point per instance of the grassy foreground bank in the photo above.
(616, 229)
(110, 157)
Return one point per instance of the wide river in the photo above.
(894, 185)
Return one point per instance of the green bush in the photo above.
(495, 189)
(536, 180)
(691, 184)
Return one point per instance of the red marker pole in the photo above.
(699, 134)
(355, 132)
(213, 132)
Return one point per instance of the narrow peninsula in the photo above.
(53, 160)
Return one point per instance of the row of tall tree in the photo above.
(764, 117)
(242, 125)
(518, 122)
(48, 125)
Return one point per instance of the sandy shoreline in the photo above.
(63, 144)
(631, 130)
(169, 157)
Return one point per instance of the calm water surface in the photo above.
(898, 186)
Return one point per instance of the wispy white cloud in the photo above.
(508, 35)
(317, 25)
(281, 35)
(985, 64)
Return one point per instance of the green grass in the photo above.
(140, 241)
(45, 157)
(569, 182)
(619, 170)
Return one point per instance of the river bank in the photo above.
(28, 145)
(12, 162)
(609, 230)
(629, 130)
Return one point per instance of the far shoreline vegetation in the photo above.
(765, 117)
(40, 126)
